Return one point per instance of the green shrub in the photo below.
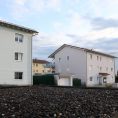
(116, 79)
(47, 79)
(76, 82)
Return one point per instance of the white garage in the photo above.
(64, 80)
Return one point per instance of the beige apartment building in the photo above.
(41, 67)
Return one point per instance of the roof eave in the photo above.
(100, 53)
(13, 26)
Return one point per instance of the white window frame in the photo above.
(18, 56)
(18, 76)
(19, 38)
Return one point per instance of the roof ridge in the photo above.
(85, 49)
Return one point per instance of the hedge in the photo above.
(47, 79)
(76, 82)
(116, 79)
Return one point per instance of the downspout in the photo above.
(31, 57)
(114, 68)
(86, 68)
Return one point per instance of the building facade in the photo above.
(91, 67)
(41, 67)
(16, 54)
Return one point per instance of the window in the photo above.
(68, 58)
(91, 78)
(18, 38)
(106, 68)
(59, 59)
(100, 58)
(18, 56)
(91, 56)
(100, 68)
(18, 75)
(97, 57)
(37, 71)
(36, 64)
(98, 78)
(43, 71)
(111, 69)
(104, 80)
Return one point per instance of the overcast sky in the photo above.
(84, 23)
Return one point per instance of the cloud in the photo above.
(49, 42)
(101, 23)
(103, 44)
(103, 8)
(78, 31)
(27, 7)
(104, 33)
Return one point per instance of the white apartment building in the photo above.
(92, 67)
(15, 54)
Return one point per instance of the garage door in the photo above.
(64, 82)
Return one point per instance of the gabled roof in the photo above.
(17, 27)
(84, 49)
(40, 61)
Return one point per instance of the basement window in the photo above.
(18, 75)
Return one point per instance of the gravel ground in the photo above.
(54, 102)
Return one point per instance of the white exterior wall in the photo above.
(106, 62)
(76, 65)
(8, 64)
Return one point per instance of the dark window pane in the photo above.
(16, 39)
(20, 75)
(20, 40)
(16, 56)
